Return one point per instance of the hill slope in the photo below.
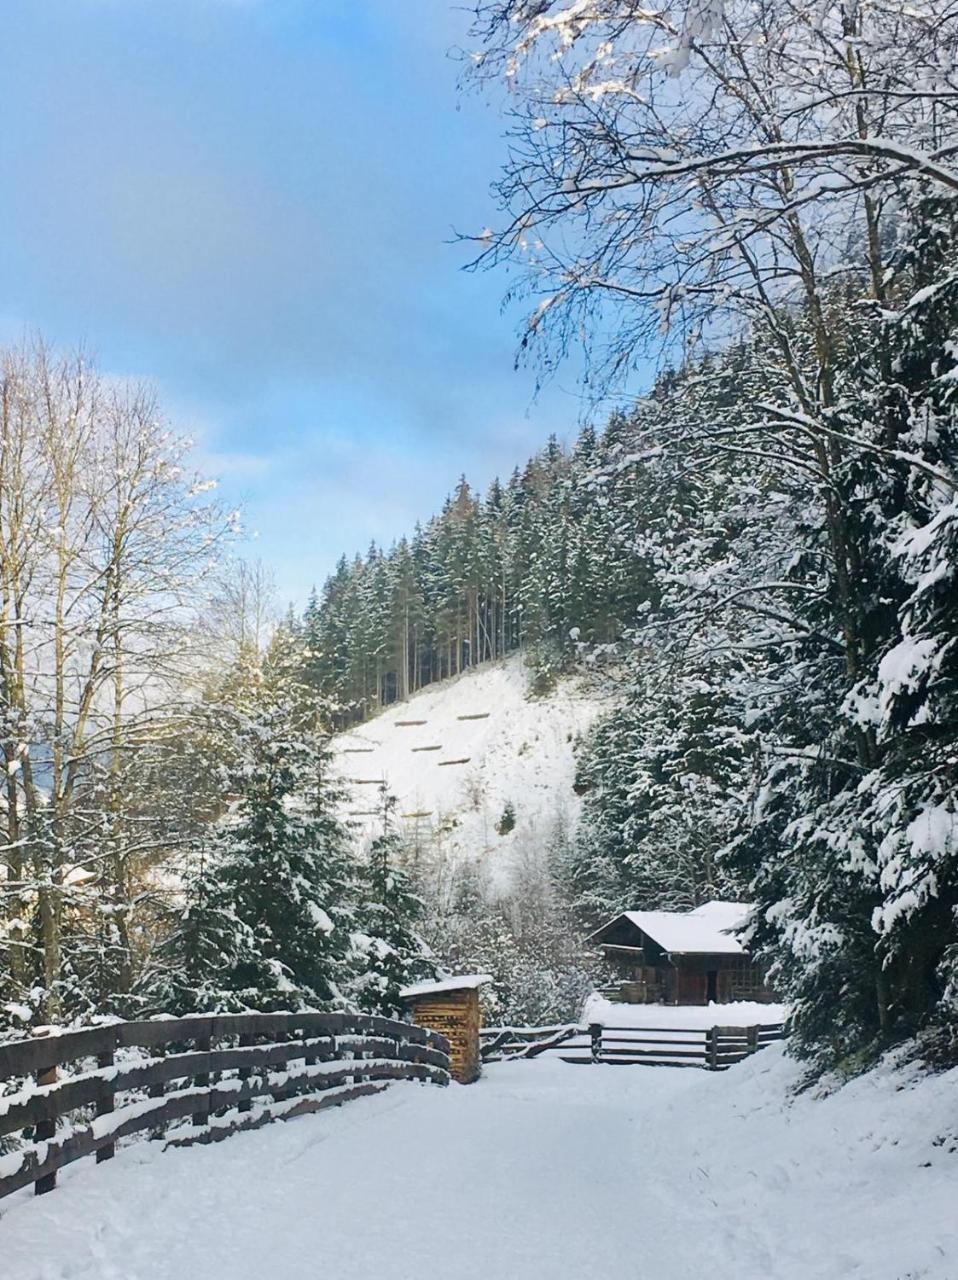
(455, 754)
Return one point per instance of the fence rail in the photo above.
(231, 1071)
(712, 1048)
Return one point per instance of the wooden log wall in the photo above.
(195, 1079)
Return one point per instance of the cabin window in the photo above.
(746, 980)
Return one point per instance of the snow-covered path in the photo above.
(540, 1170)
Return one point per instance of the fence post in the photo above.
(244, 1073)
(595, 1035)
(711, 1044)
(201, 1081)
(752, 1034)
(104, 1107)
(44, 1130)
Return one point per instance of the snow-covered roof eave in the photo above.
(463, 982)
(706, 921)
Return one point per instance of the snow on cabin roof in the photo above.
(723, 915)
(465, 982)
(702, 931)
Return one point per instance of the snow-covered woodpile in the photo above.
(451, 1008)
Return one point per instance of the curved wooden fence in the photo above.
(194, 1079)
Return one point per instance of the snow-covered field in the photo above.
(540, 1170)
(515, 749)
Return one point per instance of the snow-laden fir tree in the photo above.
(664, 777)
(857, 864)
(389, 952)
(270, 904)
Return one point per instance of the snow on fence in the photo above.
(230, 1072)
(711, 1048)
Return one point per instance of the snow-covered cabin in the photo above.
(681, 957)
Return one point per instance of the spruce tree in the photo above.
(269, 913)
(389, 952)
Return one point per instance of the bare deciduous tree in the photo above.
(105, 539)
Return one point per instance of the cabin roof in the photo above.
(704, 931)
(464, 982)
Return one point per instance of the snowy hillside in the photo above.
(457, 753)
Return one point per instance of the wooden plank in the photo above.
(438, 747)
(422, 1053)
(159, 1031)
(267, 1115)
(26, 1057)
(692, 1031)
(445, 763)
(479, 715)
(218, 1026)
(630, 1062)
(529, 1033)
(647, 1040)
(653, 1053)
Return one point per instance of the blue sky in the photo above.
(250, 203)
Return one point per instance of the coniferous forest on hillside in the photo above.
(753, 213)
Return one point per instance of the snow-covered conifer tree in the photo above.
(389, 952)
(269, 913)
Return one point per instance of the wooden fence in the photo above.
(228, 1072)
(712, 1048)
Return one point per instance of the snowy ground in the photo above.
(521, 751)
(540, 1170)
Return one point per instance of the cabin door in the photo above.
(711, 986)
